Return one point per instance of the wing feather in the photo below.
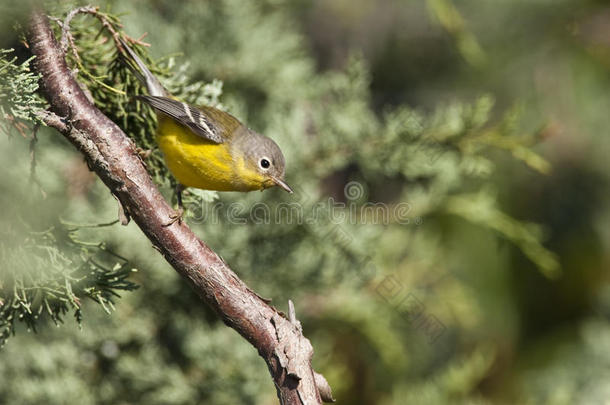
(197, 120)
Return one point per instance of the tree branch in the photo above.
(113, 157)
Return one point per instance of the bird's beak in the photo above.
(281, 184)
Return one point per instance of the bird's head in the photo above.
(263, 161)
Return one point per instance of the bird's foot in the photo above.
(177, 216)
(144, 153)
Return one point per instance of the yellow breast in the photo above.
(196, 162)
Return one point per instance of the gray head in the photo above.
(263, 160)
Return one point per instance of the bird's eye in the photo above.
(264, 163)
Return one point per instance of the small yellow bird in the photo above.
(207, 148)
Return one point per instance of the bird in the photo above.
(205, 147)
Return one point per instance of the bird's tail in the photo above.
(139, 68)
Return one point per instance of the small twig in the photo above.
(94, 11)
(52, 120)
(138, 41)
(123, 214)
(76, 227)
(33, 143)
(66, 35)
(67, 39)
(292, 317)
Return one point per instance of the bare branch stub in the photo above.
(114, 158)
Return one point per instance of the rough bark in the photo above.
(113, 157)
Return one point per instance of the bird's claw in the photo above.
(177, 216)
(143, 153)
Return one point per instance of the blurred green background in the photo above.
(489, 119)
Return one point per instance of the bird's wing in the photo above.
(208, 122)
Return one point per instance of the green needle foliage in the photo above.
(40, 276)
(19, 100)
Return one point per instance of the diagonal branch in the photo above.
(113, 157)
